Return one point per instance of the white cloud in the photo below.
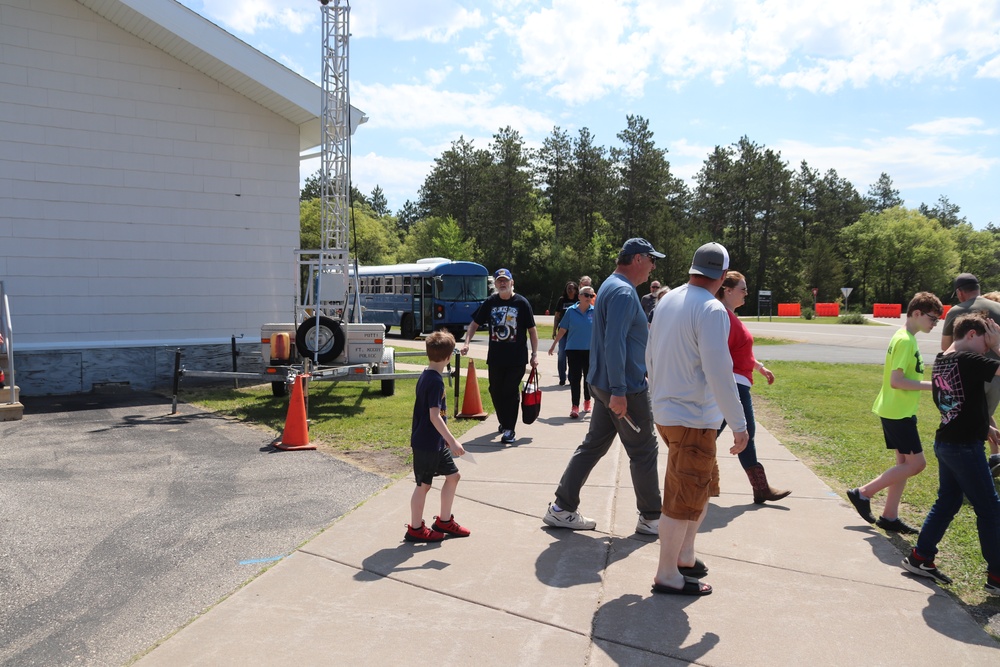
(392, 174)
(953, 126)
(990, 70)
(431, 20)
(912, 162)
(249, 16)
(413, 107)
(579, 51)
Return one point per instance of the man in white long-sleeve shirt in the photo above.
(692, 389)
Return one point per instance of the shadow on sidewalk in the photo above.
(656, 624)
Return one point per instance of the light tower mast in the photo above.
(335, 176)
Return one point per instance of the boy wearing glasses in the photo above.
(896, 405)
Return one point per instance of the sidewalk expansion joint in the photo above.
(460, 598)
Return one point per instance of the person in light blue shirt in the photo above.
(617, 380)
(573, 334)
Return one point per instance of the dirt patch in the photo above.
(379, 461)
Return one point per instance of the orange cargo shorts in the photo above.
(692, 471)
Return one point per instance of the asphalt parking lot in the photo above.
(120, 522)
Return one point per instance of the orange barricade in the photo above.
(945, 312)
(828, 309)
(789, 310)
(887, 310)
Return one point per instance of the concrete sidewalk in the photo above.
(801, 582)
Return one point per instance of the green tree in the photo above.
(643, 176)
(379, 203)
(591, 188)
(899, 252)
(944, 212)
(978, 253)
(827, 204)
(373, 241)
(406, 216)
(555, 166)
(456, 184)
(745, 198)
(882, 196)
(436, 237)
(508, 204)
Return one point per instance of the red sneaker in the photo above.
(586, 406)
(422, 534)
(575, 412)
(451, 527)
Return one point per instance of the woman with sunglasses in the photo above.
(575, 328)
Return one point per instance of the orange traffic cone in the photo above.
(296, 433)
(472, 404)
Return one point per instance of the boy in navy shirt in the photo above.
(433, 446)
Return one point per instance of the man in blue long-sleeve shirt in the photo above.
(617, 380)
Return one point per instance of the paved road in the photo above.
(119, 522)
(836, 343)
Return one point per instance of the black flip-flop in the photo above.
(698, 570)
(691, 587)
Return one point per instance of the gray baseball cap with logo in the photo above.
(710, 260)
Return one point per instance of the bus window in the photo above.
(461, 288)
(406, 285)
(388, 285)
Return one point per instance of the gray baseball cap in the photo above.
(710, 260)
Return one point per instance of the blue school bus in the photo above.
(428, 295)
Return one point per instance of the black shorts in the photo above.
(902, 435)
(426, 465)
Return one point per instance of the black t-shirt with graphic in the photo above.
(508, 322)
(960, 395)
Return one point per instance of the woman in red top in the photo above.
(733, 294)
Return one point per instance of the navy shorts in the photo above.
(426, 465)
(902, 435)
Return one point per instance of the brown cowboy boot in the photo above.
(762, 491)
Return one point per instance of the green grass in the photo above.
(766, 340)
(822, 413)
(351, 420)
(815, 320)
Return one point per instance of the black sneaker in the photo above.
(508, 436)
(864, 507)
(925, 568)
(994, 463)
(896, 526)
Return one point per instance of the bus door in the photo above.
(427, 306)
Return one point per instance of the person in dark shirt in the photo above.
(511, 323)
(958, 387)
(433, 446)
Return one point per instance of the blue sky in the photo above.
(906, 87)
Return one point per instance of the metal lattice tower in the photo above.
(335, 177)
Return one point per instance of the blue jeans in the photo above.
(641, 448)
(962, 470)
(748, 457)
(561, 360)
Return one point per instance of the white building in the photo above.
(149, 181)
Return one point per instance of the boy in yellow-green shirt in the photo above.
(896, 405)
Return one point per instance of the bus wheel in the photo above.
(279, 389)
(327, 339)
(406, 328)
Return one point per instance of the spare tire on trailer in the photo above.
(330, 343)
